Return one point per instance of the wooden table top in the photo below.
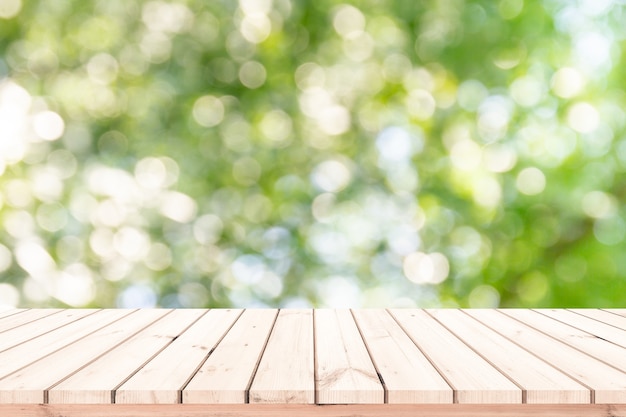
(313, 356)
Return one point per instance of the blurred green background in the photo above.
(287, 153)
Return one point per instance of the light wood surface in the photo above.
(283, 362)
(286, 371)
(589, 325)
(618, 311)
(473, 378)
(53, 357)
(407, 374)
(608, 384)
(307, 410)
(228, 371)
(11, 321)
(25, 331)
(97, 381)
(345, 373)
(541, 382)
(579, 339)
(171, 369)
(603, 316)
(5, 312)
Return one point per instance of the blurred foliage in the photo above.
(282, 153)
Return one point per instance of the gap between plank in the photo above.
(380, 377)
(114, 390)
(524, 392)
(583, 330)
(568, 344)
(47, 390)
(599, 321)
(46, 332)
(592, 395)
(595, 319)
(18, 311)
(179, 394)
(258, 361)
(611, 312)
(455, 396)
(33, 320)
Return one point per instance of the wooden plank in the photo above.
(86, 355)
(30, 330)
(30, 383)
(226, 375)
(16, 320)
(96, 382)
(603, 316)
(11, 311)
(608, 353)
(618, 311)
(589, 325)
(608, 384)
(33, 350)
(299, 410)
(473, 379)
(286, 371)
(345, 373)
(407, 374)
(161, 380)
(542, 383)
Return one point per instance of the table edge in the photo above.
(312, 410)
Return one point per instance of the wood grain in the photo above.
(589, 325)
(229, 362)
(26, 316)
(47, 343)
(97, 381)
(602, 316)
(542, 383)
(345, 373)
(298, 410)
(10, 311)
(473, 378)
(286, 372)
(228, 371)
(161, 380)
(407, 374)
(588, 343)
(30, 330)
(618, 311)
(608, 384)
